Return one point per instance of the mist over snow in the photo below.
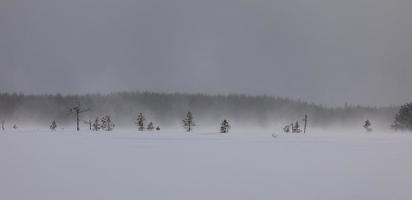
(168, 111)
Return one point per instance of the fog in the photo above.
(323, 51)
(167, 111)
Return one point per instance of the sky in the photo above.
(322, 51)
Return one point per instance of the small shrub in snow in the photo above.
(224, 126)
(150, 126)
(367, 126)
(53, 125)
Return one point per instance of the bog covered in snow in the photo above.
(174, 165)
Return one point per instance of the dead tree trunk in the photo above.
(77, 109)
(306, 121)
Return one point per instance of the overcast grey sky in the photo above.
(322, 51)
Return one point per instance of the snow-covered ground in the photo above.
(45, 165)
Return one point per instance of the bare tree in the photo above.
(306, 121)
(77, 109)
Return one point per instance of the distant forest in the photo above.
(168, 110)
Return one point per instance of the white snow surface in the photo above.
(174, 165)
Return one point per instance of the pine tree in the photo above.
(150, 126)
(224, 126)
(53, 125)
(96, 124)
(140, 122)
(106, 123)
(403, 120)
(296, 128)
(189, 123)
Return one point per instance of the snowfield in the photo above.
(174, 165)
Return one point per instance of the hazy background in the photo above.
(323, 51)
(168, 111)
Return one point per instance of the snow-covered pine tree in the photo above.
(150, 126)
(53, 125)
(188, 122)
(403, 120)
(140, 122)
(96, 124)
(106, 123)
(224, 126)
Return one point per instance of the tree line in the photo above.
(106, 124)
(167, 109)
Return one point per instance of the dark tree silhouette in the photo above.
(158, 128)
(296, 128)
(150, 126)
(140, 122)
(286, 129)
(106, 123)
(77, 110)
(403, 120)
(96, 124)
(225, 126)
(305, 120)
(2, 125)
(188, 122)
(166, 109)
(367, 125)
(53, 125)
